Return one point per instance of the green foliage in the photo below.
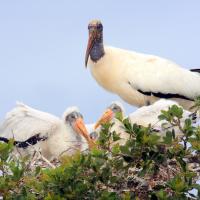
(111, 171)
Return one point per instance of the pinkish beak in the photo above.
(91, 40)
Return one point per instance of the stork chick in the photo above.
(144, 116)
(110, 115)
(65, 135)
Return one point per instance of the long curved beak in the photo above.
(106, 117)
(91, 40)
(80, 128)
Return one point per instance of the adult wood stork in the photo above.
(65, 135)
(145, 116)
(138, 78)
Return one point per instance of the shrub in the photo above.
(146, 167)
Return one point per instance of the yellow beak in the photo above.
(106, 117)
(80, 128)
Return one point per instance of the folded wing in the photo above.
(24, 122)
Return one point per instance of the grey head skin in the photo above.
(71, 119)
(115, 108)
(74, 118)
(110, 113)
(95, 48)
(94, 135)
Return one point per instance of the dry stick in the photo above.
(76, 149)
(47, 161)
(30, 162)
(44, 159)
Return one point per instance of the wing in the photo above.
(149, 114)
(24, 144)
(152, 75)
(24, 122)
(195, 70)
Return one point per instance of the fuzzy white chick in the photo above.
(66, 135)
(148, 115)
(110, 115)
(144, 116)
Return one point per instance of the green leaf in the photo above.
(176, 111)
(167, 139)
(162, 195)
(125, 150)
(119, 116)
(37, 170)
(153, 139)
(178, 184)
(97, 153)
(115, 136)
(116, 149)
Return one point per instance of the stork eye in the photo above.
(115, 108)
(99, 26)
(72, 116)
(91, 26)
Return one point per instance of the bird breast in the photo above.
(63, 141)
(106, 71)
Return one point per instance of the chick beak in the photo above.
(106, 117)
(80, 128)
(91, 40)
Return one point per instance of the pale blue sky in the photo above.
(42, 47)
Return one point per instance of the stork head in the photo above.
(95, 29)
(75, 119)
(110, 113)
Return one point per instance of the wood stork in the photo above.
(145, 116)
(139, 79)
(110, 115)
(66, 135)
(148, 115)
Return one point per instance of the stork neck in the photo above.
(97, 50)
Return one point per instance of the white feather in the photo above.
(69, 110)
(124, 72)
(23, 122)
(148, 115)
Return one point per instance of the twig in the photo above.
(47, 161)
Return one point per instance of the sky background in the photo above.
(42, 47)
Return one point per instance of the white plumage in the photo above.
(139, 79)
(148, 115)
(23, 122)
(145, 116)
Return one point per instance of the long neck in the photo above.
(97, 50)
